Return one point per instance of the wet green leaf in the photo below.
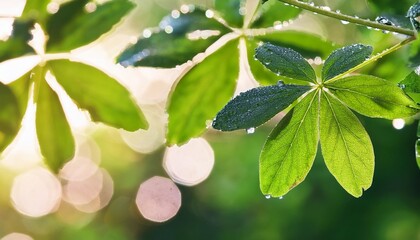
(373, 97)
(230, 10)
(181, 44)
(256, 106)
(274, 11)
(285, 62)
(411, 86)
(106, 100)
(344, 59)
(346, 146)
(201, 93)
(413, 13)
(17, 44)
(72, 26)
(54, 134)
(290, 150)
(10, 116)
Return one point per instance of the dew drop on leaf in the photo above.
(175, 14)
(267, 196)
(344, 22)
(280, 83)
(209, 13)
(402, 86)
(398, 123)
(250, 130)
(281, 197)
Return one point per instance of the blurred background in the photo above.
(109, 190)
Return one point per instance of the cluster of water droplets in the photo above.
(316, 61)
(269, 196)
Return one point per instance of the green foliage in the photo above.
(411, 86)
(230, 10)
(17, 44)
(268, 14)
(10, 116)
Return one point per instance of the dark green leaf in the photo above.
(345, 145)
(201, 93)
(106, 100)
(54, 134)
(411, 86)
(285, 62)
(259, 72)
(344, 59)
(35, 9)
(17, 44)
(72, 27)
(413, 13)
(274, 11)
(230, 10)
(394, 20)
(256, 106)
(290, 149)
(373, 97)
(179, 46)
(10, 116)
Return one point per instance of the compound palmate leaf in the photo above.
(373, 97)
(106, 100)
(290, 150)
(201, 93)
(256, 106)
(346, 146)
(179, 39)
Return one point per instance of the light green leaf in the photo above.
(106, 100)
(21, 88)
(72, 27)
(35, 9)
(411, 86)
(273, 11)
(343, 59)
(285, 62)
(252, 108)
(290, 149)
(201, 93)
(54, 134)
(346, 146)
(230, 10)
(373, 97)
(10, 116)
(261, 74)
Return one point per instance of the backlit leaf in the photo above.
(230, 10)
(256, 106)
(72, 26)
(346, 146)
(35, 9)
(201, 93)
(343, 59)
(17, 44)
(274, 11)
(182, 37)
(285, 62)
(373, 97)
(10, 116)
(290, 150)
(106, 100)
(411, 86)
(54, 134)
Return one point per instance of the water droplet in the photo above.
(250, 130)
(209, 13)
(169, 29)
(280, 83)
(318, 61)
(175, 14)
(344, 22)
(281, 197)
(184, 9)
(209, 123)
(53, 7)
(278, 25)
(398, 123)
(90, 7)
(326, 8)
(402, 86)
(338, 11)
(147, 33)
(267, 196)
(312, 4)
(242, 11)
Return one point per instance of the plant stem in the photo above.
(374, 58)
(346, 18)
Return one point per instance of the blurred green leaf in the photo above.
(21, 89)
(411, 86)
(106, 100)
(180, 45)
(273, 11)
(418, 152)
(290, 150)
(17, 44)
(72, 26)
(346, 146)
(10, 116)
(54, 134)
(230, 10)
(201, 93)
(35, 9)
(285, 62)
(252, 108)
(373, 97)
(343, 59)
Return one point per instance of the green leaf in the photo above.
(17, 44)
(290, 150)
(35, 9)
(259, 71)
(21, 89)
(201, 93)
(106, 100)
(285, 62)
(181, 44)
(230, 10)
(10, 116)
(256, 106)
(72, 27)
(373, 97)
(54, 134)
(345, 145)
(411, 86)
(274, 11)
(418, 152)
(344, 59)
